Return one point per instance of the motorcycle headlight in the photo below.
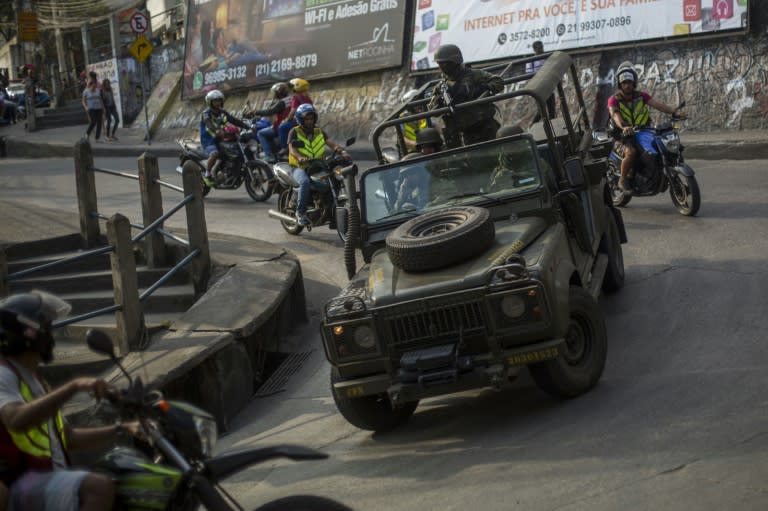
(207, 432)
(671, 143)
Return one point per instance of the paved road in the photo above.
(678, 421)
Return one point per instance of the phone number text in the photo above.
(287, 64)
(222, 75)
(535, 33)
(587, 26)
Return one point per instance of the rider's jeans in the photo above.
(283, 130)
(265, 136)
(300, 175)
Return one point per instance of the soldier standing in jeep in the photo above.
(461, 84)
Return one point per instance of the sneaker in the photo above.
(114, 138)
(624, 186)
(208, 181)
(302, 219)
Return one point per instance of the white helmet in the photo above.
(214, 94)
(409, 95)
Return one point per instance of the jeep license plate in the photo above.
(533, 356)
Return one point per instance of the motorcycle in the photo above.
(329, 196)
(659, 165)
(174, 469)
(238, 163)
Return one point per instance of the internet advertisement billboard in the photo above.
(498, 29)
(233, 44)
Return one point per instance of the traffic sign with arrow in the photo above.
(141, 48)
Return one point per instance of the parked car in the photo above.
(16, 93)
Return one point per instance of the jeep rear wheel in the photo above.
(582, 359)
(372, 413)
(440, 238)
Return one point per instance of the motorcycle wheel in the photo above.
(685, 194)
(284, 206)
(303, 503)
(259, 189)
(619, 198)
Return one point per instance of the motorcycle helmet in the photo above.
(626, 72)
(303, 111)
(409, 95)
(214, 94)
(26, 323)
(429, 136)
(299, 85)
(280, 89)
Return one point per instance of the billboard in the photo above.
(243, 43)
(498, 29)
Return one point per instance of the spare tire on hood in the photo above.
(440, 238)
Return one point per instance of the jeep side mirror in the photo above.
(574, 172)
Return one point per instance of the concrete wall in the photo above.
(724, 82)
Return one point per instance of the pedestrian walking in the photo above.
(110, 109)
(94, 108)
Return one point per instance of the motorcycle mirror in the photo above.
(100, 342)
(350, 141)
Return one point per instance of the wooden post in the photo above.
(200, 266)
(4, 287)
(85, 184)
(152, 208)
(130, 319)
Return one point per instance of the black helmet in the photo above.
(449, 53)
(26, 322)
(626, 72)
(428, 136)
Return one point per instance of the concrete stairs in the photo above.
(70, 114)
(87, 285)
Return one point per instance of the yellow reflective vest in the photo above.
(22, 451)
(313, 149)
(634, 112)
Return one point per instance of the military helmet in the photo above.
(449, 53)
(428, 136)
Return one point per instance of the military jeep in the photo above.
(491, 262)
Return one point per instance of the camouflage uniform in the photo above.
(475, 124)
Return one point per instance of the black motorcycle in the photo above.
(238, 163)
(328, 204)
(658, 167)
(173, 469)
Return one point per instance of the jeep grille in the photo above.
(420, 323)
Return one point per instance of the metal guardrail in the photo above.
(121, 244)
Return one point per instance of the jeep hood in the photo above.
(388, 284)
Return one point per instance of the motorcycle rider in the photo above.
(314, 140)
(212, 123)
(300, 97)
(411, 128)
(280, 108)
(34, 437)
(628, 109)
(464, 84)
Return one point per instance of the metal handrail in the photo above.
(170, 273)
(87, 315)
(116, 173)
(169, 185)
(162, 218)
(23, 273)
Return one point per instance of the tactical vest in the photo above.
(634, 112)
(22, 451)
(312, 149)
(410, 129)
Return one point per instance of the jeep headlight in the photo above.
(513, 306)
(354, 339)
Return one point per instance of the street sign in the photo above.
(141, 48)
(28, 27)
(139, 22)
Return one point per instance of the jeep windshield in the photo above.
(493, 172)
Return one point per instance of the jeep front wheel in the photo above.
(582, 359)
(372, 413)
(440, 238)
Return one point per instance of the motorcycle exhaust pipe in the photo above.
(281, 216)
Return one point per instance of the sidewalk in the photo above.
(59, 142)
